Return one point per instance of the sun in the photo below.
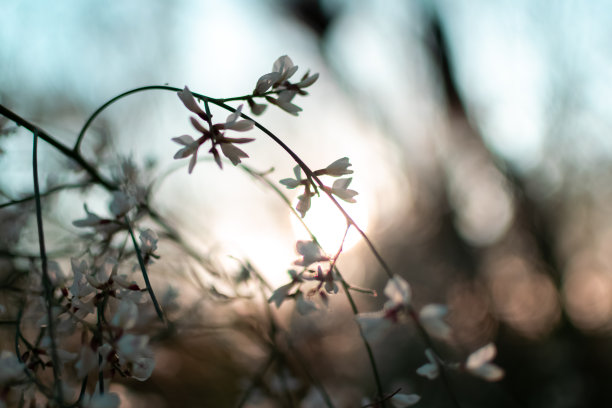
(328, 224)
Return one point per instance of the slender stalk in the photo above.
(221, 103)
(345, 285)
(45, 194)
(96, 177)
(145, 276)
(46, 279)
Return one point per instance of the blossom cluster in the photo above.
(339, 188)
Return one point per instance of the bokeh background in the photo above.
(479, 136)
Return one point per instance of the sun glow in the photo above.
(328, 224)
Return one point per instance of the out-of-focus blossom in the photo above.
(134, 352)
(479, 364)
(106, 400)
(432, 318)
(102, 274)
(404, 400)
(87, 361)
(304, 202)
(303, 305)
(148, 241)
(121, 204)
(430, 370)
(311, 253)
(399, 293)
(373, 325)
(281, 293)
(126, 315)
(326, 280)
(11, 369)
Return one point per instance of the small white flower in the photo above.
(430, 370)
(284, 66)
(432, 318)
(232, 122)
(280, 294)
(256, 108)
(340, 189)
(134, 352)
(190, 103)
(293, 183)
(404, 400)
(479, 364)
(311, 253)
(233, 153)
(338, 168)
(283, 101)
(307, 80)
(399, 293)
(190, 149)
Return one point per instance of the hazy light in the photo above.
(523, 297)
(328, 224)
(588, 297)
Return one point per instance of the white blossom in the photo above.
(432, 318)
(479, 363)
(404, 400)
(11, 369)
(311, 253)
(303, 305)
(232, 122)
(430, 370)
(399, 293)
(373, 325)
(338, 168)
(148, 241)
(126, 315)
(341, 190)
(121, 204)
(190, 149)
(134, 352)
(190, 103)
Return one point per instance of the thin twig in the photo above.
(46, 279)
